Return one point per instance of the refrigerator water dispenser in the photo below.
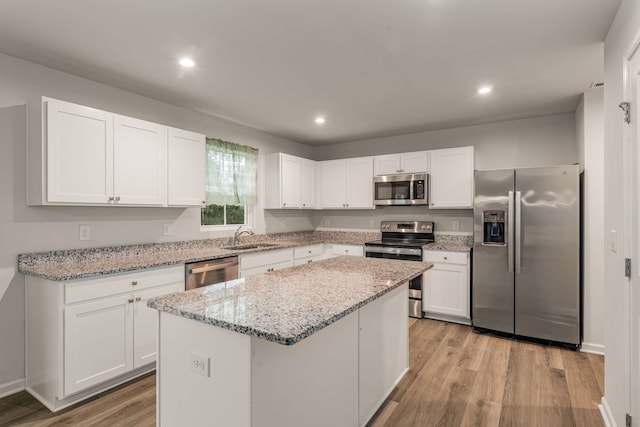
(493, 227)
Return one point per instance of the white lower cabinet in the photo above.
(252, 264)
(85, 336)
(351, 250)
(308, 254)
(446, 286)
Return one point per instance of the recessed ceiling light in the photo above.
(320, 120)
(484, 90)
(186, 62)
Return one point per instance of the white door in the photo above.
(139, 162)
(307, 179)
(414, 162)
(289, 181)
(386, 165)
(360, 182)
(632, 220)
(185, 168)
(446, 290)
(451, 179)
(333, 187)
(79, 154)
(145, 324)
(98, 342)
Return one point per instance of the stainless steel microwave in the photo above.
(403, 190)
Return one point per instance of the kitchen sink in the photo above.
(251, 246)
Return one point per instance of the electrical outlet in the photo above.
(201, 365)
(327, 222)
(455, 225)
(613, 240)
(372, 223)
(84, 232)
(167, 229)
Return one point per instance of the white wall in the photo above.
(29, 229)
(623, 32)
(590, 133)
(540, 141)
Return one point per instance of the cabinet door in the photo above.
(185, 168)
(79, 154)
(360, 183)
(139, 162)
(386, 165)
(145, 324)
(289, 181)
(451, 179)
(446, 290)
(98, 342)
(333, 184)
(414, 162)
(307, 182)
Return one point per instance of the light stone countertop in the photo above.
(286, 306)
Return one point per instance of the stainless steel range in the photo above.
(403, 240)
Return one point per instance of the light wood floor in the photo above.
(456, 378)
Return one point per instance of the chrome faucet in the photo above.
(239, 233)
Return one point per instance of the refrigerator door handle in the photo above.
(518, 228)
(510, 223)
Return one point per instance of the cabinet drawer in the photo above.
(265, 268)
(265, 258)
(308, 251)
(446, 257)
(348, 250)
(84, 290)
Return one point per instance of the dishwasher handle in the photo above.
(213, 266)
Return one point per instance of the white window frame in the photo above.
(249, 221)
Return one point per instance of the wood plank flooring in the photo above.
(459, 378)
(456, 378)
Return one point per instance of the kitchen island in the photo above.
(315, 345)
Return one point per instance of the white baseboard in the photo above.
(12, 387)
(607, 415)
(588, 347)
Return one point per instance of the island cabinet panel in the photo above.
(383, 350)
(185, 397)
(313, 383)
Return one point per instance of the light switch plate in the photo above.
(199, 364)
(371, 223)
(327, 222)
(613, 241)
(455, 225)
(167, 229)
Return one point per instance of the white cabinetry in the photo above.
(347, 183)
(308, 254)
(251, 264)
(351, 250)
(86, 336)
(185, 168)
(139, 162)
(290, 182)
(415, 162)
(451, 178)
(446, 286)
(84, 156)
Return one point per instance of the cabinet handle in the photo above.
(346, 251)
(269, 269)
(111, 199)
(309, 262)
(347, 205)
(138, 299)
(304, 204)
(134, 283)
(203, 202)
(130, 300)
(445, 258)
(117, 198)
(284, 204)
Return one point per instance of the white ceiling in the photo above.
(372, 67)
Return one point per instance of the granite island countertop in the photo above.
(286, 306)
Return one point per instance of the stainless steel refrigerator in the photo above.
(526, 253)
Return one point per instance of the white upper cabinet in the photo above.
(139, 162)
(347, 183)
(289, 181)
(451, 178)
(79, 155)
(415, 162)
(185, 168)
(84, 156)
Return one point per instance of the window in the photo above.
(231, 183)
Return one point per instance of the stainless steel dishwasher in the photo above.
(205, 273)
